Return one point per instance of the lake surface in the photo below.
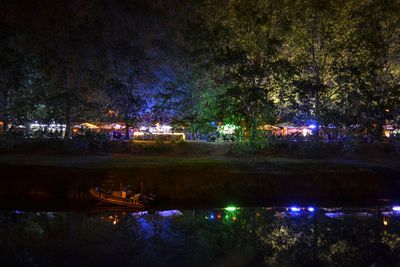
(231, 236)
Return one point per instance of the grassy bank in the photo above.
(390, 149)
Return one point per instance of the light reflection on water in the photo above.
(292, 236)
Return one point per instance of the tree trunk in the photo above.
(5, 123)
(317, 113)
(378, 131)
(6, 115)
(253, 129)
(67, 133)
(127, 137)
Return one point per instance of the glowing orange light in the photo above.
(385, 221)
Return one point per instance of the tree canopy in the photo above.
(195, 63)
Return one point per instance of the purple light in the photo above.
(140, 213)
(295, 209)
(312, 126)
(396, 208)
(311, 209)
(334, 214)
(167, 213)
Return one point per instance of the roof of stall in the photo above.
(268, 127)
(89, 125)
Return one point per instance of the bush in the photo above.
(396, 147)
(20, 144)
(260, 143)
(181, 142)
(243, 148)
(317, 149)
(88, 142)
(155, 146)
(9, 143)
(350, 145)
(159, 146)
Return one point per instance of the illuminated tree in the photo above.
(241, 43)
(62, 38)
(312, 48)
(374, 53)
(18, 71)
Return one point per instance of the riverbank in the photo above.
(201, 180)
(311, 149)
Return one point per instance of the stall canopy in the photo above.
(268, 127)
(88, 125)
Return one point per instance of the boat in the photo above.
(122, 197)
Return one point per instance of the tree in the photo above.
(313, 48)
(377, 75)
(63, 36)
(241, 42)
(18, 73)
(131, 63)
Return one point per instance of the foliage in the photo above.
(302, 61)
(8, 142)
(88, 142)
(258, 144)
(350, 145)
(200, 63)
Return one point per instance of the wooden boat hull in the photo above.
(109, 198)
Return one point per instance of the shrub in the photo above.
(350, 145)
(159, 146)
(318, 149)
(243, 148)
(8, 143)
(88, 142)
(181, 142)
(396, 147)
(259, 144)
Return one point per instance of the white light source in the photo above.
(228, 129)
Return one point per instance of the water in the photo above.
(214, 237)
